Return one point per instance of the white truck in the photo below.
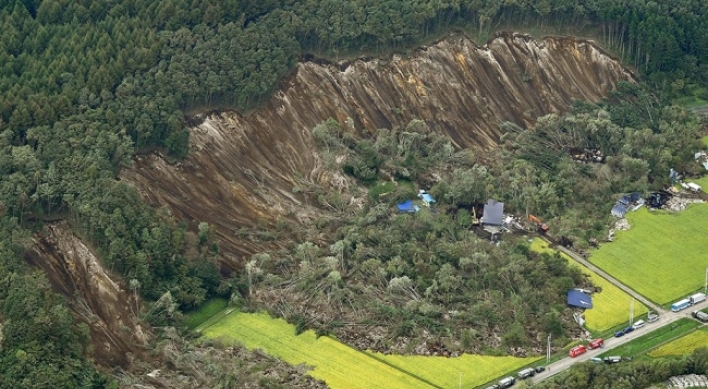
(526, 373)
(697, 298)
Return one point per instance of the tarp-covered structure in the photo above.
(426, 197)
(579, 299)
(407, 207)
(619, 211)
(493, 213)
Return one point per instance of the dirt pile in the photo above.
(243, 169)
(94, 297)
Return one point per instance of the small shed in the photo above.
(579, 299)
(407, 207)
(493, 213)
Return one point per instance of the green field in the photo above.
(653, 339)
(684, 345)
(343, 367)
(209, 309)
(663, 256)
(610, 307)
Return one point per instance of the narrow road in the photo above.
(664, 319)
(611, 279)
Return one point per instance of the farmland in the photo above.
(208, 310)
(663, 256)
(653, 338)
(684, 345)
(343, 367)
(610, 306)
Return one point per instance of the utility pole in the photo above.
(548, 350)
(631, 311)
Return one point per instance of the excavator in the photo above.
(541, 226)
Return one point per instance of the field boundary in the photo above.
(210, 321)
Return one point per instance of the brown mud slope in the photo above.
(95, 299)
(243, 168)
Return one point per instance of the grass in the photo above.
(445, 372)
(343, 367)
(702, 182)
(684, 345)
(610, 306)
(206, 311)
(704, 140)
(663, 256)
(655, 338)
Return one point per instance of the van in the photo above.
(638, 324)
(506, 382)
(652, 317)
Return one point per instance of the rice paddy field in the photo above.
(684, 345)
(663, 256)
(343, 367)
(610, 306)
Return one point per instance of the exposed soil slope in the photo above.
(95, 298)
(242, 168)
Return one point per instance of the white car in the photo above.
(638, 324)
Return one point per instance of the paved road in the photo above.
(664, 319)
(612, 280)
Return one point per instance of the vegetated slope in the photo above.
(96, 299)
(242, 169)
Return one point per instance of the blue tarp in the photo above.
(579, 299)
(426, 197)
(408, 207)
(619, 210)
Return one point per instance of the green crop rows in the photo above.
(663, 256)
(343, 367)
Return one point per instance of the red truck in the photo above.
(595, 343)
(577, 350)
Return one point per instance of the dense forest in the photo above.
(85, 85)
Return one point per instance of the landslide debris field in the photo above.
(242, 169)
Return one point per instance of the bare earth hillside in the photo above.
(104, 305)
(242, 168)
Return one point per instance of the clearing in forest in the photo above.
(610, 306)
(343, 367)
(684, 345)
(663, 256)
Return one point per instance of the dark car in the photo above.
(628, 329)
(540, 369)
(619, 334)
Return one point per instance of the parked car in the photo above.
(619, 333)
(595, 343)
(652, 317)
(628, 330)
(540, 369)
(638, 324)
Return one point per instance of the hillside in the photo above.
(243, 168)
